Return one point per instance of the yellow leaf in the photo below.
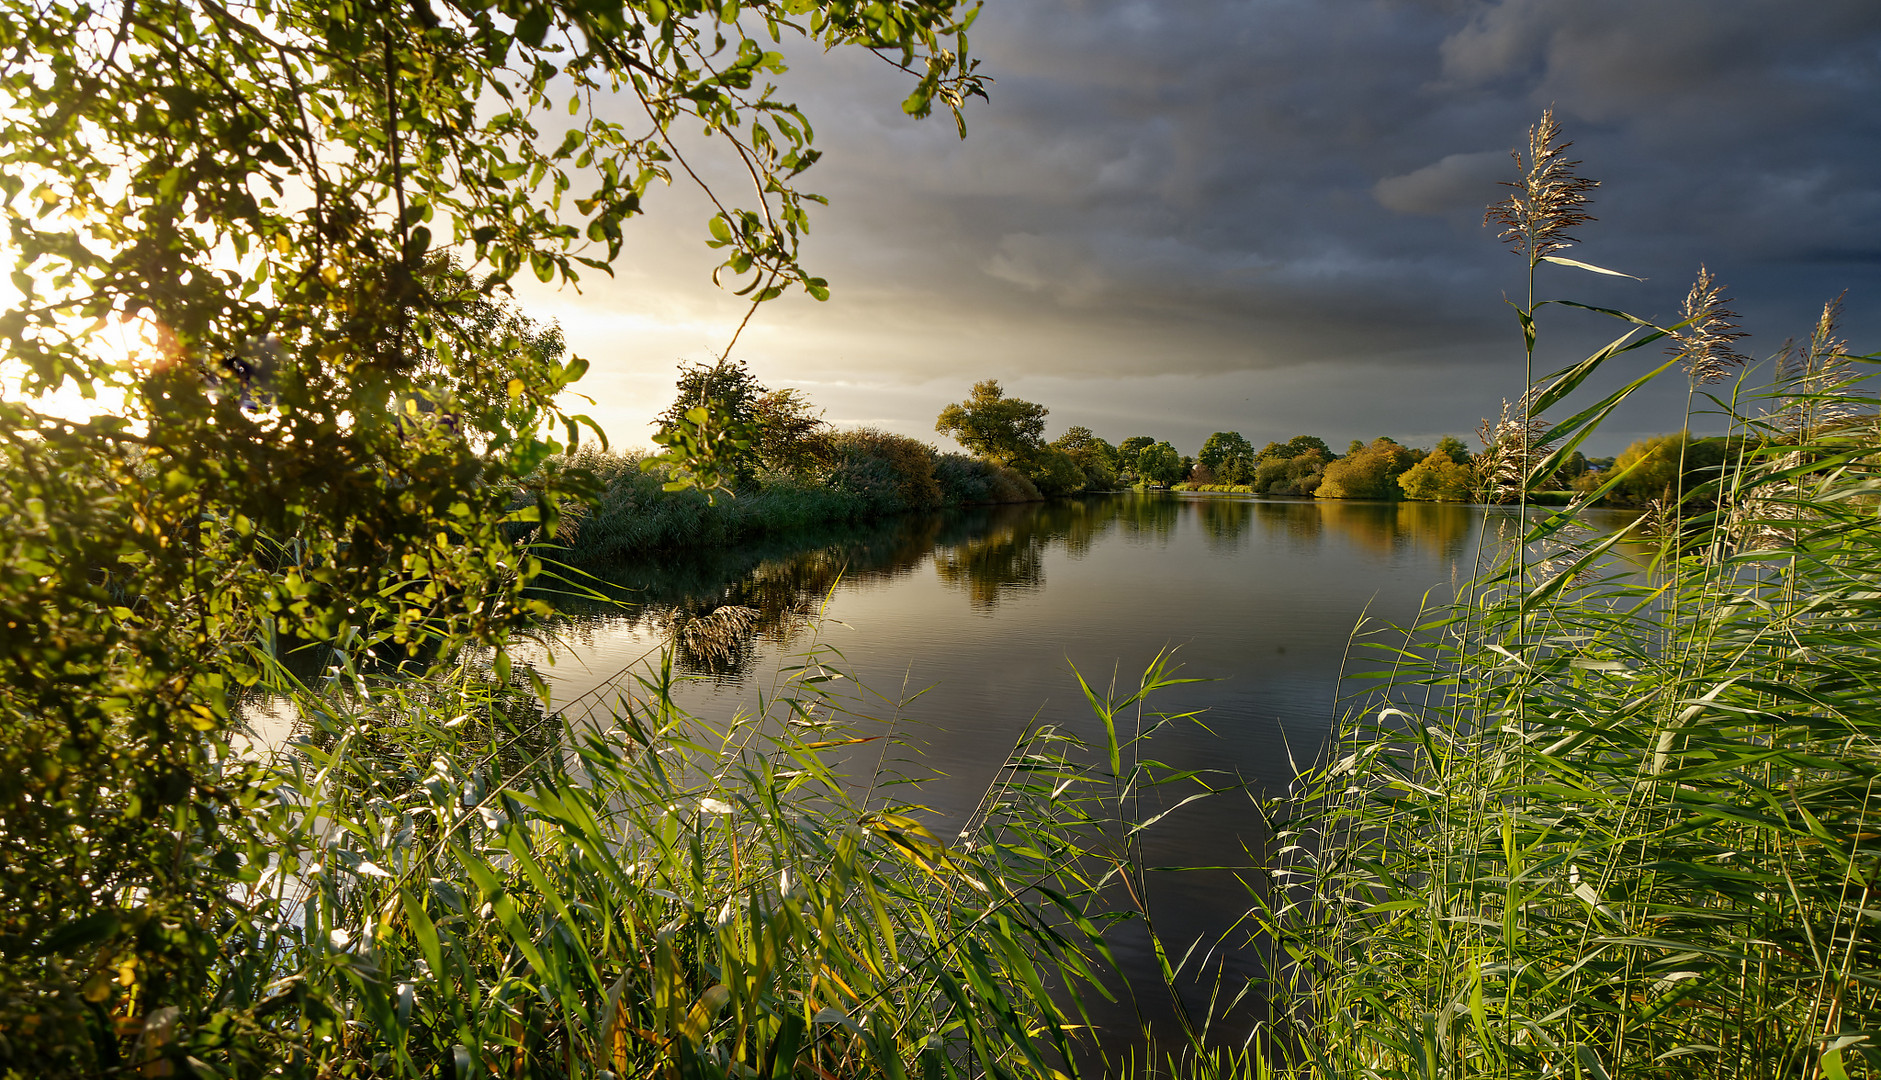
(704, 1011)
(516, 388)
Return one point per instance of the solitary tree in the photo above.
(729, 395)
(786, 424)
(992, 425)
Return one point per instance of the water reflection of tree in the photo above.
(1000, 561)
(715, 606)
(1445, 530)
(1002, 549)
(1225, 522)
(1148, 518)
(1296, 521)
(1442, 530)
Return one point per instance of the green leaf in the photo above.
(533, 26)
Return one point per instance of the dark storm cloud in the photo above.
(1258, 184)
(1252, 214)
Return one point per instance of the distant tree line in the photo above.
(1009, 431)
(790, 468)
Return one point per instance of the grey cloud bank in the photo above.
(1266, 215)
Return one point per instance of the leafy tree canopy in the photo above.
(1296, 446)
(1129, 449)
(1097, 458)
(1160, 464)
(1078, 439)
(1437, 478)
(1228, 455)
(1367, 471)
(251, 200)
(786, 423)
(713, 424)
(1453, 448)
(992, 425)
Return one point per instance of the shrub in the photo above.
(1299, 474)
(1369, 472)
(892, 472)
(1054, 472)
(1438, 479)
(968, 481)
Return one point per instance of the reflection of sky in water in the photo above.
(983, 615)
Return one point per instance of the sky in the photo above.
(1185, 216)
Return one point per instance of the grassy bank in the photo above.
(1535, 498)
(863, 480)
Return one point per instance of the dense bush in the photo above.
(1368, 472)
(1055, 472)
(891, 473)
(1295, 474)
(854, 476)
(1437, 478)
(967, 481)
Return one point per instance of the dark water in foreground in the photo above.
(988, 611)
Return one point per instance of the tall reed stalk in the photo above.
(1599, 821)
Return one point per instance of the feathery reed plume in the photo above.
(1815, 374)
(1511, 444)
(1704, 345)
(1548, 200)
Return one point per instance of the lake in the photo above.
(988, 611)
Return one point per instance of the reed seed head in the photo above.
(1825, 348)
(1548, 200)
(1512, 443)
(1705, 342)
(1818, 378)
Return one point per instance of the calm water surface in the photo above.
(988, 611)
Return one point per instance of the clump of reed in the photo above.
(1598, 821)
(462, 883)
